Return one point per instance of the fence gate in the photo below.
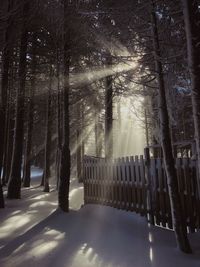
(135, 184)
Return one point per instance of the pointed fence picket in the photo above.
(140, 184)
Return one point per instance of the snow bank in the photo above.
(33, 232)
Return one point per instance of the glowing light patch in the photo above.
(85, 257)
(12, 224)
(84, 246)
(150, 238)
(42, 203)
(128, 130)
(40, 197)
(15, 212)
(86, 133)
(36, 173)
(55, 234)
(89, 251)
(74, 191)
(52, 232)
(43, 249)
(151, 254)
(60, 236)
(32, 212)
(19, 248)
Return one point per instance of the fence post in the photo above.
(85, 189)
(149, 185)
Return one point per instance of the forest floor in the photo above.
(34, 233)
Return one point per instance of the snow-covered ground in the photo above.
(33, 232)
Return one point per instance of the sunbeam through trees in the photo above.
(105, 93)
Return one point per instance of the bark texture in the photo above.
(179, 222)
(59, 120)
(14, 184)
(30, 111)
(192, 27)
(6, 138)
(78, 144)
(109, 114)
(98, 134)
(2, 205)
(6, 56)
(65, 164)
(47, 163)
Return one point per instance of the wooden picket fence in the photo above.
(138, 185)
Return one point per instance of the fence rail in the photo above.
(138, 185)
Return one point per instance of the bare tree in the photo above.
(14, 184)
(192, 27)
(65, 164)
(179, 222)
(30, 111)
(48, 132)
(109, 113)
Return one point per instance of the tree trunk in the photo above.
(59, 121)
(2, 205)
(178, 218)
(146, 127)
(27, 153)
(192, 28)
(14, 184)
(6, 138)
(79, 156)
(43, 174)
(4, 90)
(78, 144)
(10, 130)
(98, 134)
(47, 162)
(109, 114)
(4, 81)
(82, 130)
(9, 147)
(30, 110)
(64, 181)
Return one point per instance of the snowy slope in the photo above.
(33, 232)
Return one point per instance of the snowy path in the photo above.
(33, 232)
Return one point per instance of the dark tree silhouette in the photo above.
(109, 113)
(178, 219)
(65, 164)
(192, 27)
(48, 132)
(30, 111)
(14, 184)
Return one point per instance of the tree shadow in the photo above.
(95, 236)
